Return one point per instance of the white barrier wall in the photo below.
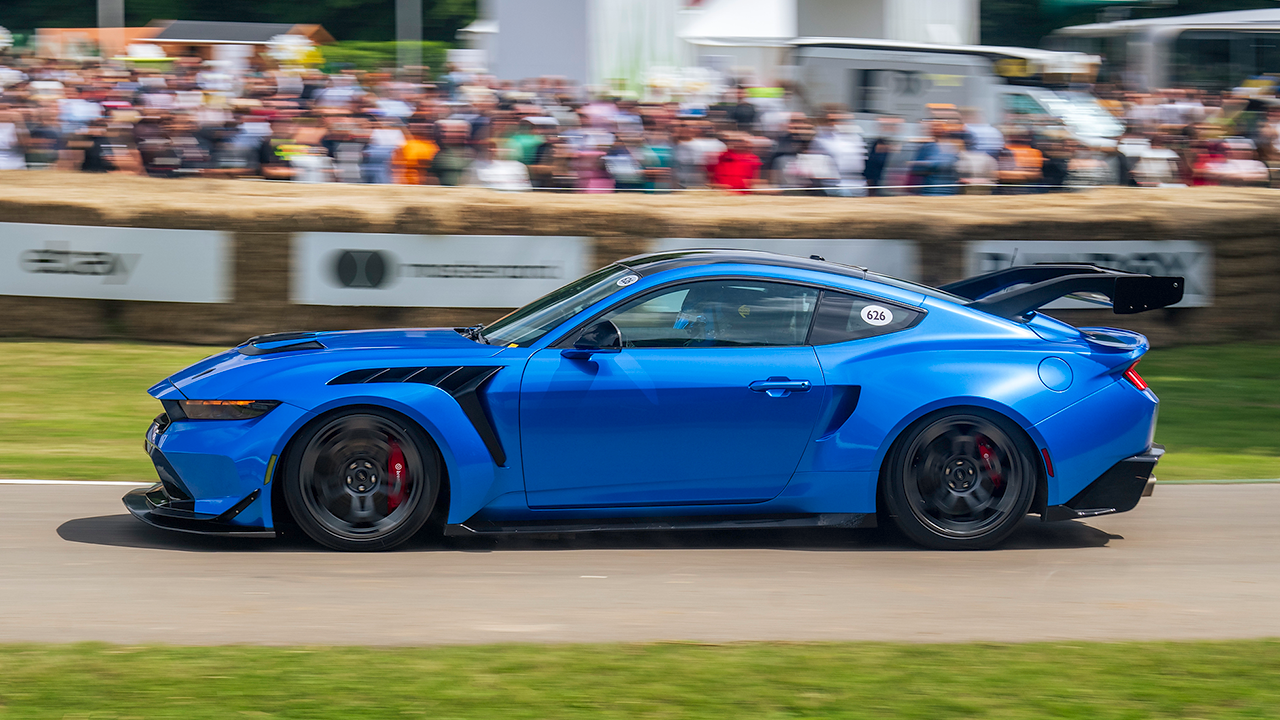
(455, 271)
(113, 263)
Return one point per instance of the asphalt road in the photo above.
(1190, 562)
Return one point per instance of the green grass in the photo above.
(1219, 411)
(78, 410)
(679, 680)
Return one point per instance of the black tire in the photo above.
(960, 479)
(341, 488)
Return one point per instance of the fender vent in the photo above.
(462, 382)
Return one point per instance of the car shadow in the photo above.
(125, 531)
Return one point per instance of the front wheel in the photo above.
(961, 480)
(362, 480)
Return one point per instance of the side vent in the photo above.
(462, 382)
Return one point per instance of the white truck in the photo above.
(874, 78)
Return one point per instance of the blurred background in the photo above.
(819, 97)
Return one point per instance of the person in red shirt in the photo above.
(737, 168)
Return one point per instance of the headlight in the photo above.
(225, 409)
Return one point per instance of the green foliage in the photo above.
(378, 55)
(1097, 681)
(344, 19)
(1219, 410)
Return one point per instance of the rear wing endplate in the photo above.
(1016, 291)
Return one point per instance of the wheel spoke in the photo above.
(350, 471)
(963, 477)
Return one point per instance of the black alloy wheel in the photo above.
(961, 480)
(362, 480)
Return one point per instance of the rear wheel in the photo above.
(362, 480)
(961, 480)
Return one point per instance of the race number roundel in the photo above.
(876, 315)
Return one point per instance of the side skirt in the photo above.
(720, 522)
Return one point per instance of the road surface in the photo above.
(1193, 561)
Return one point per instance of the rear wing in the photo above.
(1016, 291)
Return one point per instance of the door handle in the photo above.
(779, 386)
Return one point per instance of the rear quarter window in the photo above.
(842, 317)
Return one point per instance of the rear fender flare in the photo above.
(959, 403)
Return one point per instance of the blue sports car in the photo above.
(692, 389)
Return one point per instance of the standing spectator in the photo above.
(385, 140)
(839, 137)
(975, 169)
(880, 150)
(1056, 165)
(412, 160)
(13, 141)
(980, 135)
(1019, 163)
(935, 162)
(695, 149)
(454, 159)
(737, 168)
(743, 113)
(497, 169)
(807, 171)
(626, 162)
(43, 140)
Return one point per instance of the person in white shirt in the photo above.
(499, 170)
(840, 137)
(13, 139)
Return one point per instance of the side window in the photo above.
(1017, 104)
(842, 318)
(715, 313)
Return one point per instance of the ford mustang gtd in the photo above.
(694, 389)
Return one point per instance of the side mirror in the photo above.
(603, 337)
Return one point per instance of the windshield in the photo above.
(529, 323)
(1083, 114)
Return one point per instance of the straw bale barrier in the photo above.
(1239, 223)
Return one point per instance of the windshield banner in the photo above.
(1186, 258)
(462, 271)
(115, 263)
(899, 258)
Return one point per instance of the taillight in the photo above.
(1132, 376)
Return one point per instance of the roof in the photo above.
(1233, 19)
(660, 262)
(741, 22)
(1050, 60)
(197, 32)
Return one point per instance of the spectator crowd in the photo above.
(195, 119)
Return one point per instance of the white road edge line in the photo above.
(4, 481)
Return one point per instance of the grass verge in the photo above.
(1219, 411)
(676, 680)
(78, 410)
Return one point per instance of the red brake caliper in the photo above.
(399, 478)
(988, 459)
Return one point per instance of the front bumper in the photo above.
(155, 506)
(1116, 490)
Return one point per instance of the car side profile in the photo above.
(691, 389)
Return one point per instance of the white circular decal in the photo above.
(627, 280)
(876, 315)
